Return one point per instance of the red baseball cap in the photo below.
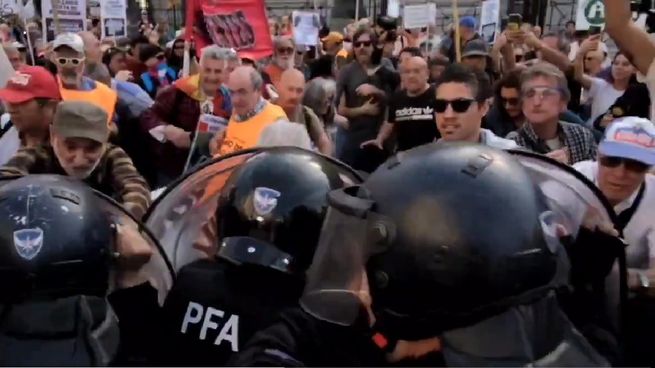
(28, 83)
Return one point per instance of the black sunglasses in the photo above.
(631, 165)
(358, 44)
(459, 105)
(285, 50)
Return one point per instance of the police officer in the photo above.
(456, 266)
(63, 248)
(248, 261)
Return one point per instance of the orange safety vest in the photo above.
(245, 134)
(101, 96)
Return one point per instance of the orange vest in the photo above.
(101, 96)
(245, 134)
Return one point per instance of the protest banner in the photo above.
(64, 16)
(113, 16)
(305, 27)
(490, 20)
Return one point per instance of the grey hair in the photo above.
(315, 92)
(547, 70)
(215, 52)
(285, 133)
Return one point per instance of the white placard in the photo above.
(71, 13)
(305, 27)
(416, 16)
(10, 7)
(113, 17)
(590, 13)
(393, 8)
(490, 20)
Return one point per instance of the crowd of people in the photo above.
(374, 107)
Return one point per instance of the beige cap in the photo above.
(81, 119)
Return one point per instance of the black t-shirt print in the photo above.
(413, 118)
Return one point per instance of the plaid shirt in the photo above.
(115, 175)
(578, 139)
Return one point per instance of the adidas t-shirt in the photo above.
(413, 118)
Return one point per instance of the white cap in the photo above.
(632, 138)
(71, 40)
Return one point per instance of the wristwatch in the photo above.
(644, 282)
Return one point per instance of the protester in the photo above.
(116, 61)
(159, 75)
(291, 90)
(362, 90)
(621, 172)
(284, 49)
(178, 109)
(437, 66)
(69, 57)
(544, 96)
(460, 106)
(411, 111)
(15, 58)
(79, 148)
(602, 94)
(30, 96)
(175, 57)
(333, 46)
(251, 114)
(134, 63)
(468, 27)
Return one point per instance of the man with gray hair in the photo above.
(544, 96)
(170, 124)
(284, 49)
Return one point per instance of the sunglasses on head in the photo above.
(631, 165)
(285, 50)
(63, 61)
(358, 44)
(459, 105)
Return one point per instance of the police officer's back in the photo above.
(257, 244)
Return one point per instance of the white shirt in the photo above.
(649, 80)
(640, 231)
(602, 96)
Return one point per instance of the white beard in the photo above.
(81, 175)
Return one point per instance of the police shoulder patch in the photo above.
(265, 200)
(28, 242)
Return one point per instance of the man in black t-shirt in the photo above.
(411, 112)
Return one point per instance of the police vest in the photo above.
(245, 134)
(101, 96)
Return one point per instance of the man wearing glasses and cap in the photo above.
(69, 57)
(625, 157)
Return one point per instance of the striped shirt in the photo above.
(115, 175)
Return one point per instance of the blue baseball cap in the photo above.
(632, 138)
(468, 22)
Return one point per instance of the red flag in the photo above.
(238, 24)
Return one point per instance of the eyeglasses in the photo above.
(285, 50)
(459, 105)
(359, 44)
(512, 101)
(63, 61)
(630, 165)
(541, 92)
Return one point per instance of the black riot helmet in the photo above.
(261, 207)
(54, 240)
(271, 209)
(446, 234)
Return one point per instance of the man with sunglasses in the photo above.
(625, 156)
(544, 96)
(284, 49)
(362, 90)
(460, 106)
(69, 57)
